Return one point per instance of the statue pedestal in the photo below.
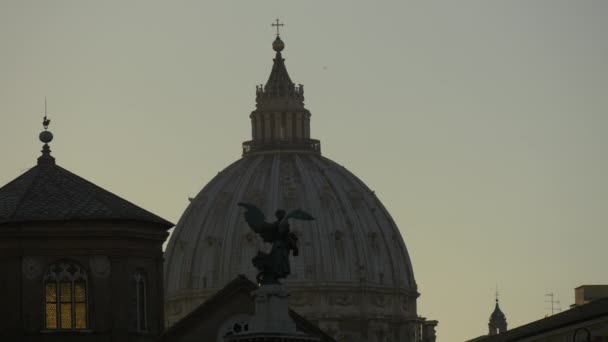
(271, 321)
(272, 310)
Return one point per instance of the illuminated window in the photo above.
(65, 293)
(139, 301)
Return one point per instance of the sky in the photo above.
(481, 125)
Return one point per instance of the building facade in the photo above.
(586, 322)
(79, 263)
(587, 293)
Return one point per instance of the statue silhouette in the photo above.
(274, 265)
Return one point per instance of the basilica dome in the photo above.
(353, 275)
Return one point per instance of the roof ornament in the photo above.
(46, 121)
(46, 137)
(278, 44)
(277, 25)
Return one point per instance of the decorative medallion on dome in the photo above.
(342, 299)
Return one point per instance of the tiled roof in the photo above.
(48, 192)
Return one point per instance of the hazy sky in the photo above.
(481, 125)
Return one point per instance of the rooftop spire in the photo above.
(280, 120)
(279, 91)
(46, 137)
(498, 320)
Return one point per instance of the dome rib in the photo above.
(235, 215)
(274, 182)
(405, 267)
(322, 241)
(341, 201)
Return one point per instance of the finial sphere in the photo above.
(46, 137)
(278, 45)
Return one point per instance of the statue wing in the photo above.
(254, 216)
(257, 222)
(299, 215)
(294, 214)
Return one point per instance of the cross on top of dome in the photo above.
(277, 25)
(278, 44)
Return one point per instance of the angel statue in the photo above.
(274, 265)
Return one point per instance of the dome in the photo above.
(498, 320)
(353, 263)
(352, 242)
(497, 314)
(353, 275)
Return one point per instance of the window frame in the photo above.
(65, 272)
(140, 292)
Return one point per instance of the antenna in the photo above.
(553, 303)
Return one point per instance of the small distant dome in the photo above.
(46, 137)
(498, 321)
(278, 45)
(497, 314)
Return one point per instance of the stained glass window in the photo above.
(80, 292)
(66, 315)
(65, 291)
(80, 305)
(51, 305)
(51, 316)
(81, 316)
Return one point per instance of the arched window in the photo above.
(65, 297)
(139, 301)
